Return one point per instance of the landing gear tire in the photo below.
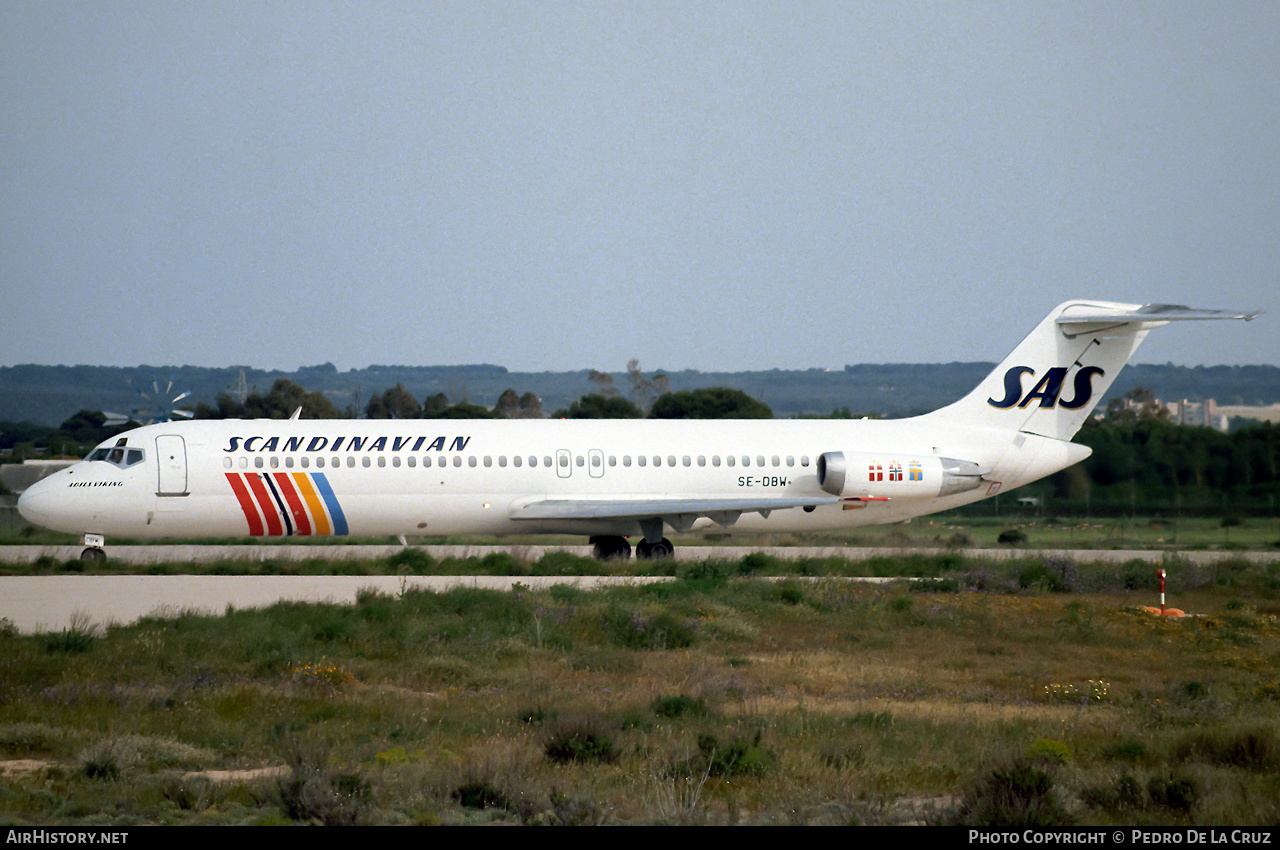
(655, 551)
(93, 555)
(610, 548)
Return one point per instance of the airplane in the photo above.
(609, 480)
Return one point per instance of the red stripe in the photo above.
(246, 504)
(268, 505)
(300, 519)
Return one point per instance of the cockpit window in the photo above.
(117, 456)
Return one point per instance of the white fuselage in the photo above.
(431, 477)
(606, 478)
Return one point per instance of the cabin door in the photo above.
(171, 460)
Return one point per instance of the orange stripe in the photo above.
(312, 498)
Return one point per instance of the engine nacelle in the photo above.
(874, 475)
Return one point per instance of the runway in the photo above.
(52, 602)
(196, 553)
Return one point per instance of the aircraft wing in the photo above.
(679, 513)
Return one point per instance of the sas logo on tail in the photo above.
(1048, 388)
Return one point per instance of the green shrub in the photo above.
(637, 630)
(1249, 749)
(1016, 795)
(579, 740)
(739, 757)
(501, 564)
(679, 706)
(1176, 793)
(478, 794)
(314, 792)
(790, 592)
(1052, 751)
(1125, 793)
(561, 563)
(1130, 749)
(413, 561)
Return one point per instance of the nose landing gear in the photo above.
(94, 551)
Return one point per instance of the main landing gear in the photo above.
(617, 548)
(657, 551)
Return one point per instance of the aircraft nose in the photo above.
(38, 505)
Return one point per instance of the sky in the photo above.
(698, 185)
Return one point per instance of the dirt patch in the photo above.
(238, 775)
(22, 767)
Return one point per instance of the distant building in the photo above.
(1197, 413)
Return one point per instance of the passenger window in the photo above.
(546, 460)
(804, 460)
(320, 463)
(671, 460)
(457, 460)
(777, 461)
(412, 461)
(517, 460)
(382, 461)
(626, 460)
(502, 461)
(730, 460)
(641, 460)
(687, 461)
(702, 460)
(395, 461)
(578, 460)
(351, 461)
(791, 461)
(488, 462)
(364, 461)
(471, 461)
(244, 462)
(227, 463)
(257, 462)
(759, 460)
(305, 461)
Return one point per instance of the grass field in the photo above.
(1026, 691)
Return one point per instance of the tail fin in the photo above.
(1055, 377)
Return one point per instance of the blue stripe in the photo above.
(331, 502)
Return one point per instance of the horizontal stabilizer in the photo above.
(1153, 313)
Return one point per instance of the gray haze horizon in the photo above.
(718, 186)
